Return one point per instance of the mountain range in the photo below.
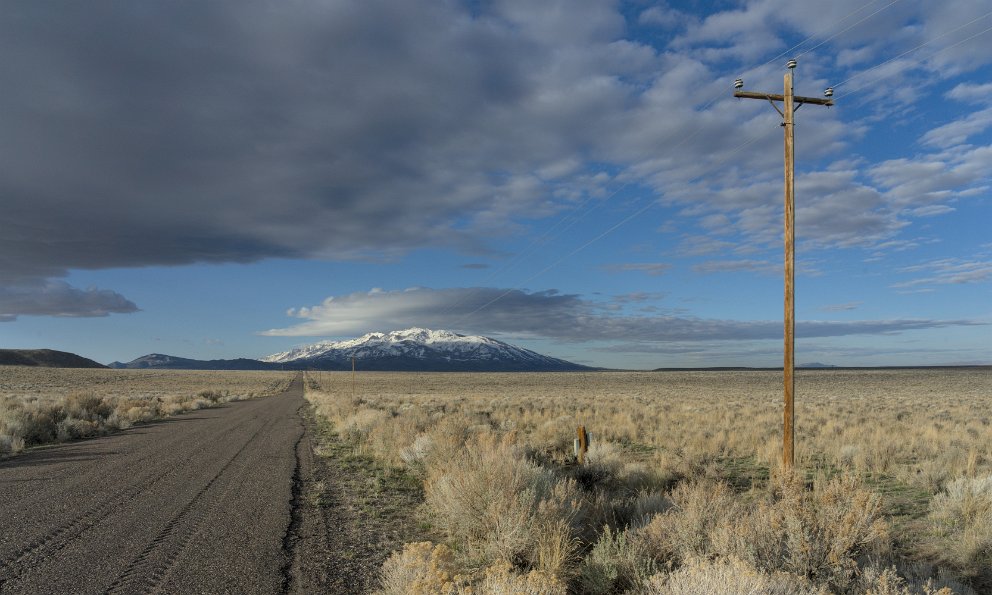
(410, 350)
(159, 361)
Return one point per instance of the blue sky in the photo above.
(229, 179)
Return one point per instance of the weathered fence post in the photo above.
(581, 444)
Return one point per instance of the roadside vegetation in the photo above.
(681, 490)
(48, 405)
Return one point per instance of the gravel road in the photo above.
(202, 503)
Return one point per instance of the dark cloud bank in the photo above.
(165, 133)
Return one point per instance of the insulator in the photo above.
(739, 83)
(791, 63)
(828, 92)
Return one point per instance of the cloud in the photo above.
(932, 178)
(972, 93)
(475, 266)
(639, 297)
(58, 298)
(663, 17)
(947, 271)
(959, 131)
(653, 269)
(841, 307)
(551, 315)
(931, 211)
(169, 133)
(732, 266)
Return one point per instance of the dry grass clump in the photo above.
(962, 518)
(681, 479)
(42, 406)
(421, 568)
(503, 508)
(727, 576)
(825, 534)
(427, 569)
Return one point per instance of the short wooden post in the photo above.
(583, 444)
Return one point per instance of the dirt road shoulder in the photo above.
(350, 514)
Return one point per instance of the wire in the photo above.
(540, 240)
(848, 28)
(544, 238)
(945, 34)
(602, 235)
(849, 15)
(651, 204)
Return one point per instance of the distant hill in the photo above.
(45, 358)
(158, 361)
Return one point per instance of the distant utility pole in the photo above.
(789, 102)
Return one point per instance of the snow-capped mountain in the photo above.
(421, 349)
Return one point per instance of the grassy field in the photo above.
(682, 486)
(45, 405)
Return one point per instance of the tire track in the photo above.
(48, 544)
(185, 524)
(201, 505)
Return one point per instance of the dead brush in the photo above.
(961, 518)
(56, 405)
(427, 569)
(821, 534)
(828, 530)
(688, 527)
(500, 506)
(728, 576)
(685, 466)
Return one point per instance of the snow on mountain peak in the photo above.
(403, 342)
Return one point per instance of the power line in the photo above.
(689, 137)
(801, 43)
(544, 238)
(909, 51)
(519, 258)
(849, 27)
(602, 235)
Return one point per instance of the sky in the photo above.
(238, 177)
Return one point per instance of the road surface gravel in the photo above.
(201, 503)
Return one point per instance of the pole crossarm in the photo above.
(776, 97)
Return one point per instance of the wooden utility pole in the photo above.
(790, 103)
